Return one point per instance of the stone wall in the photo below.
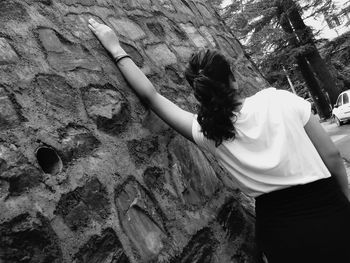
(87, 173)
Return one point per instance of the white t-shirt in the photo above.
(271, 150)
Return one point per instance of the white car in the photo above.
(341, 110)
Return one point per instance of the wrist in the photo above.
(117, 52)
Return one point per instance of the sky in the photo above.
(319, 23)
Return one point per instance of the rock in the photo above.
(102, 249)
(58, 95)
(8, 114)
(29, 239)
(17, 172)
(200, 249)
(76, 23)
(184, 52)
(77, 142)
(227, 48)
(142, 150)
(194, 35)
(79, 207)
(232, 218)
(154, 178)
(64, 55)
(173, 74)
(168, 5)
(127, 28)
(204, 10)
(157, 29)
(193, 176)
(107, 107)
(141, 219)
(21, 179)
(11, 10)
(161, 55)
(79, 2)
(7, 54)
(50, 40)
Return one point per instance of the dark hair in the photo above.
(208, 72)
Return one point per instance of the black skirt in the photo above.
(304, 223)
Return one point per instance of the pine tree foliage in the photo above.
(276, 38)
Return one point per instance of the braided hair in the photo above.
(208, 73)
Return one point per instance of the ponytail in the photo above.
(208, 72)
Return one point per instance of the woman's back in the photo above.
(271, 150)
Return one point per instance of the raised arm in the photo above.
(328, 152)
(174, 116)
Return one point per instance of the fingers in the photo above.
(93, 22)
(92, 28)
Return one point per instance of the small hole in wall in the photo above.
(49, 160)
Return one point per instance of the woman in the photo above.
(273, 147)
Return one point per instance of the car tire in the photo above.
(337, 121)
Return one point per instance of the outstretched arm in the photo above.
(173, 115)
(328, 152)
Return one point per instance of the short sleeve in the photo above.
(301, 107)
(200, 139)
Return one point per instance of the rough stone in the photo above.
(17, 172)
(168, 5)
(194, 35)
(56, 92)
(154, 178)
(137, 3)
(8, 114)
(184, 7)
(107, 107)
(63, 55)
(142, 150)
(184, 52)
(173, 74)
(127, 28)
(50, 40)
(204, 10)
(79, 2)
(157, 29)
(226, 47)
(4, 189)
(194, 178)
(200, 249)
(180, 34)
(77, 142)
(79, 207)
(204, 30)
(76, 23)
(140, 219)
(72, 61)
(21, 179)
(29, 239)
(104, 248)
(7, 54)
(232, 218)
(11, 10)
(161, 55)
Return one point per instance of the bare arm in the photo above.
(328, 152)
(174, 116)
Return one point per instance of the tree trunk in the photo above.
(306, 71)
(314, 88)
(312, 55)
